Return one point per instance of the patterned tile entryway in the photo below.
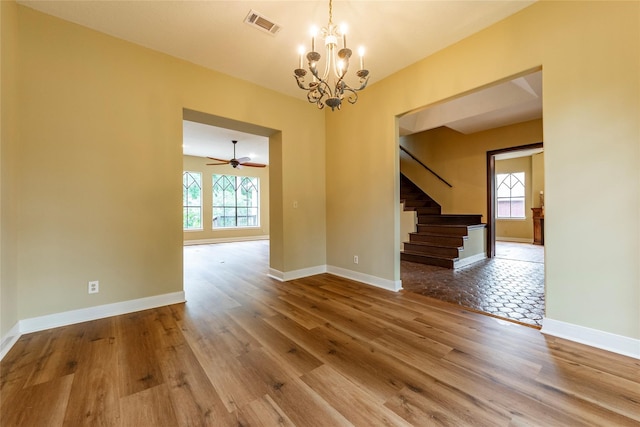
(509, 286)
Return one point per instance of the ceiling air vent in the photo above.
(262, 23)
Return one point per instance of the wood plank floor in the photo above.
(247, 350)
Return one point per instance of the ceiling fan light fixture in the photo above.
(330, 88)
(235, 162)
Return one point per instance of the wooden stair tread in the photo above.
(456, 215)
(428, 259)
(436, 245)
(445, 225)
(448, 227)
(434, 234)
(430, 256)
(438, 236)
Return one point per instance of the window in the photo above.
(510, 191)
(235, 201)
(191, 201)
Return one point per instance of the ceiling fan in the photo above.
(236, 163)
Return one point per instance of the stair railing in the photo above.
(425, 166)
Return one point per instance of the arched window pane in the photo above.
(235, 201)
(510, 193)
(191, 200)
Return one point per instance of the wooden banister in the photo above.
(425, 166)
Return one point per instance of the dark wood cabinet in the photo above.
(538, 226)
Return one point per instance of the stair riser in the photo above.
(419, 203)
(425, 259)
(446, 230)
(428, 211)
(448, 220)
(452, 241)
(432, 250)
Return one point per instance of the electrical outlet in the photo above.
(355, 259)
(94, 287)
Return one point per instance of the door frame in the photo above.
(491, 192)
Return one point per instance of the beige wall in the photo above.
(100, 165)
(517, 229)
(589, 55)
(8, 144)
(198, 164)
(462, 161)
(537, 186)
(98, 160)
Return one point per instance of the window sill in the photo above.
(236, 228)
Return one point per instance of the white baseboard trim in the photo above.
(9, 340)
(592, 337)
(514, 239)
(378, 282)
(469, 260)
(276, 274)
(296, 274)
(224, 240)
(55, 320)
(71, 317)
(367, 279)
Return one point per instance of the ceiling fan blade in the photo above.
(243, 160)
(254, 165)
(219, 160)
(221, 163)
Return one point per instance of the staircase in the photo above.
(439, 239)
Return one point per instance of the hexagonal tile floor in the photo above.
(509, 286)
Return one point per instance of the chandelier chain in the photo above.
(330, 12)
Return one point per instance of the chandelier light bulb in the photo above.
(343, 31)
(314, 34)
(301, 53)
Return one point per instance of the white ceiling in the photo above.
(204, 140)
(213, 34)
(503, 104)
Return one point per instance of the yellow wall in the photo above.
(8, 144)
(462, 161)
(100, 165)
(98, 159)
(518, 229)
(591, 101)
(198, 164)
(537, 169)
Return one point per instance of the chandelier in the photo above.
(330, 87)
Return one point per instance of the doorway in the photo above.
(508, 284)
(226, 180)
(513, 161)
